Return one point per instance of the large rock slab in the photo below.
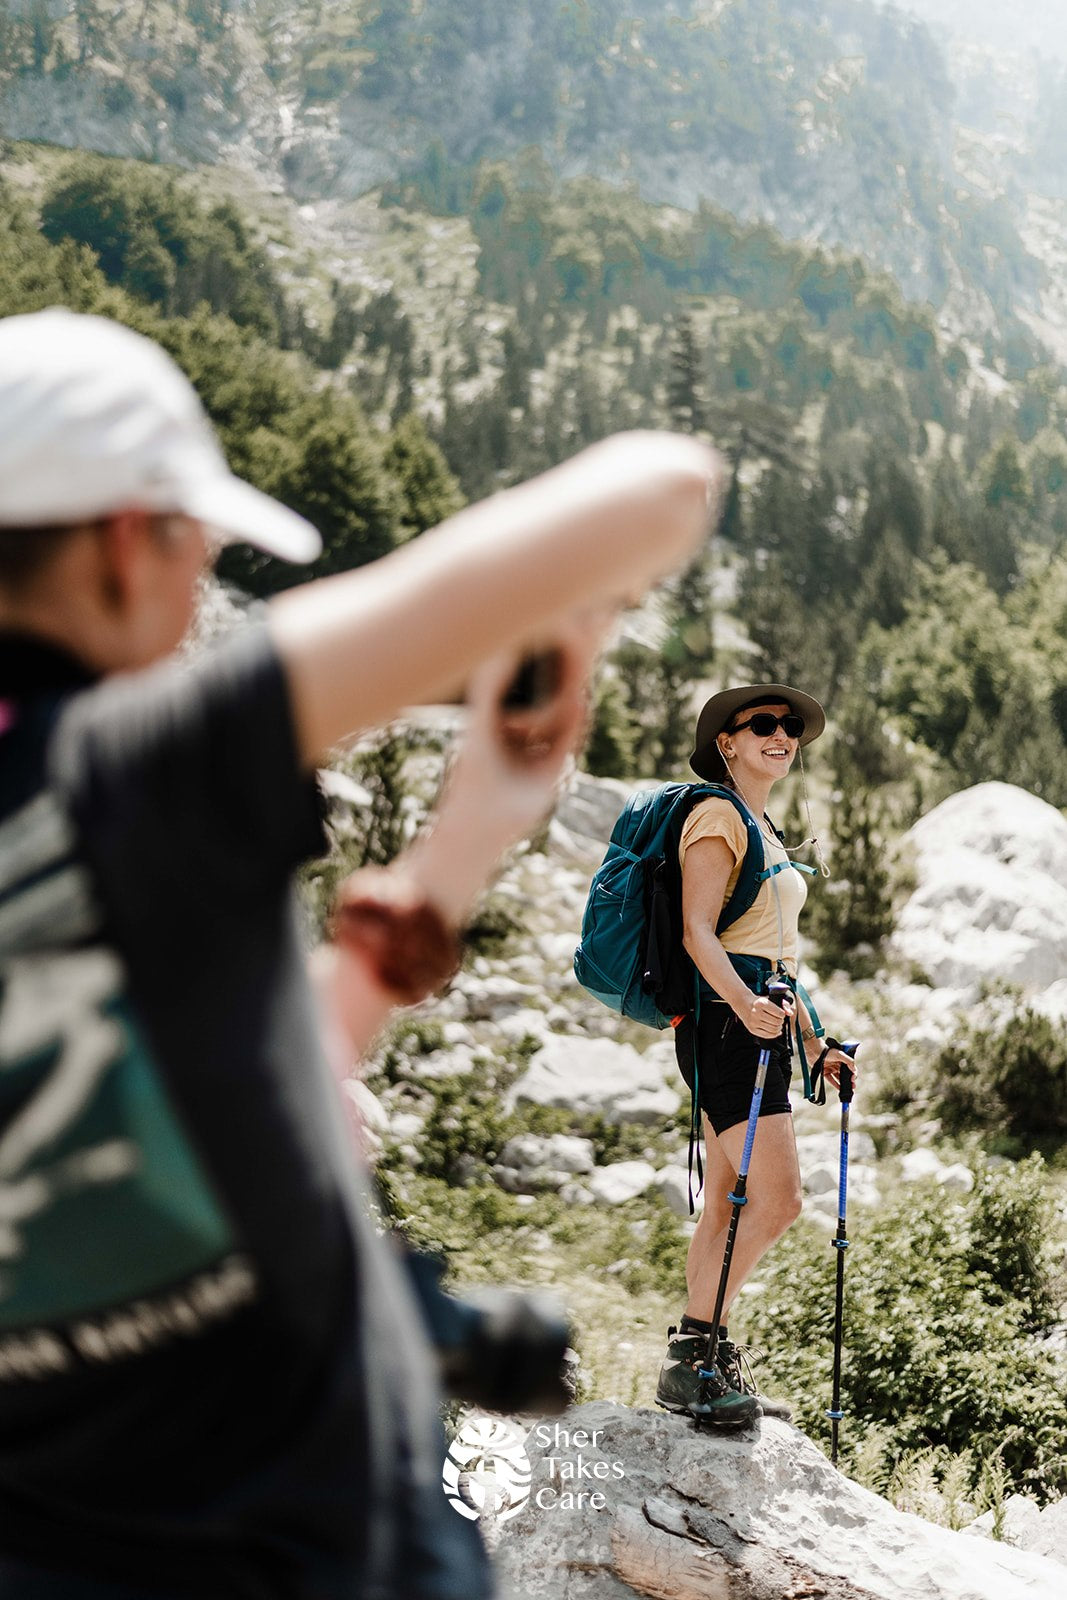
(1027, 1526)
(590, 1076)
(631, 1502)
(991, 900)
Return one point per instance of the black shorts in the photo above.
(727, 1058)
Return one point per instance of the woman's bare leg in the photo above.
(774, 1201)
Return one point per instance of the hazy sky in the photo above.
(1026, 25)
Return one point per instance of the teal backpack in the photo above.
(631, 956)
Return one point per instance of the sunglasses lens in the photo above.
(764, 723)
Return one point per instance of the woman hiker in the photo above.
(747, 738)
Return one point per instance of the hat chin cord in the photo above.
(813, 838)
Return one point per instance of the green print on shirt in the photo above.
(102, 1199)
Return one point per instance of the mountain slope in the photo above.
(830, 119)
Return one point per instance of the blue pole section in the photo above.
(840, 1244)
(778, 992)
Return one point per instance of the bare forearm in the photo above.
(714, 964)
(360, 646)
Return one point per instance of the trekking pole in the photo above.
(840, 1244)
(778, 992)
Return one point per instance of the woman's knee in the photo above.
(782, 1207)
(792, 1205)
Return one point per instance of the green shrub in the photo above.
(1010, 1079)
(944, 1299)
(491, 927)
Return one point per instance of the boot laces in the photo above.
(735, 1363)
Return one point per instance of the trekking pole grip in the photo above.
(848, 1082)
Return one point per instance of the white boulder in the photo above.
(673, 1184)
(492, 997)
(589, 806)
(1052, 1002)
(923, 1165)
(530, 1161)
(371, 1112)
(622, 1180)
(528, 1022)
(991, 900)
(1027, 1526)
(590, 1076)
(670, 1512)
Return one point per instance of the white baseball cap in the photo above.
(94, 419)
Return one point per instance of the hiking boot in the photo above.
(732, 1361)
(686, 1386)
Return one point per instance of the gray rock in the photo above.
(596, 1075)
(557, 950)
(923, 1165)
(1027, 1526)
(673, 1185)
(340, 787)
(458, 1033)
(820, 1178)
(572, 847)
(956, 1177)
(490, 997)
(519, 1024)
(990, 901)
(372, 1114)
(622, 1180)
(1052, 1002)
(455, 1062)
(531, 1162)
(406, 1125)
(824, 1148)
(589, 807)
(683, 1515)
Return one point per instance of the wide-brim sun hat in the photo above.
(718, 712)
(95, 419)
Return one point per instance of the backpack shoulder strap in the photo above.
(752, 871)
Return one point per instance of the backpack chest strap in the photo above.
(781, 866)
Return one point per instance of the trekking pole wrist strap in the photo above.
(818, 1071)
(816, 1031)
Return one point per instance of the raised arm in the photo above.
(600, 528)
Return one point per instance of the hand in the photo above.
(764, 1019)
(835, 1060)
(510, 761)
(506, 769)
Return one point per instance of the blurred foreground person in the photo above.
(213, 1376)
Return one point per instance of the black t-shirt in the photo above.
(213, 1380)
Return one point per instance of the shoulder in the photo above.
(716, 818)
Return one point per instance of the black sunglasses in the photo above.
(764, 723)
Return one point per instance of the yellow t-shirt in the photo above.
(769, 926)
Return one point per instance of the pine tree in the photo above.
(609, 752)
(851, 912)
(428, 491)
(685, 387)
